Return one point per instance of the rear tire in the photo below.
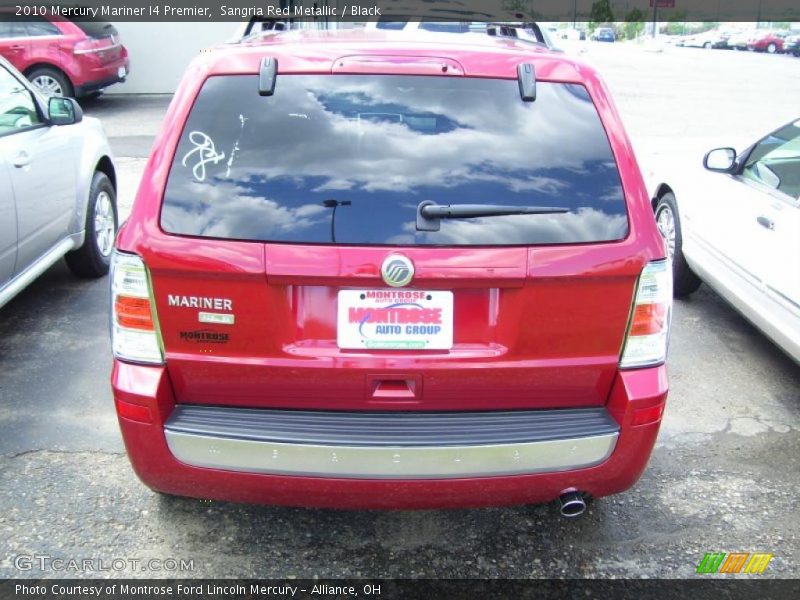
(684, 280)
(51, 82)
(772, 48)
(92, 260)
(707, 45)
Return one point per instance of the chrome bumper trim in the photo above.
(382, 462)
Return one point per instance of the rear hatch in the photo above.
(291, 216)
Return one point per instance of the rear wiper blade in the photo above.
(429, 213)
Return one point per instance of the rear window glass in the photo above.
(348, 159)
(96, 29)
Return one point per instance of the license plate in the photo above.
(395, 320)
(121, 72)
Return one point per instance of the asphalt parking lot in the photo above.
(723, 477)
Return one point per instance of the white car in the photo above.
(739, 40)
(527, 31)
(737, 228)
(707, 39)
(57, 186)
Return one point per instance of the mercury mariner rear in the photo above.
(366, 272)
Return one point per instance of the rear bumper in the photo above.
(92, 78)
(190, 453)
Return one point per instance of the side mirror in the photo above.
(64, 111)
(720, 160)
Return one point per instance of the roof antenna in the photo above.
(266, 76)
(526, 77)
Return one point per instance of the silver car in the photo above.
(57, 186)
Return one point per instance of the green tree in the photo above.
(601, 12)
(634, 24)
(517, 6)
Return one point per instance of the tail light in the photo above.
(135, 334)
(648, 331)
(91, 45)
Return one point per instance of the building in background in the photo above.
(148, 44)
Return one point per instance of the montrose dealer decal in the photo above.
(207, 336)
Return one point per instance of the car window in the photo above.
(18, 109)
(10, 28)
(376, 146)
(40, 27)
(97, 29)
(775, 160)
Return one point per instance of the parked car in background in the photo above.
(707, 39)
(766, 41)
(397, 23)
(572, 34)
(258, 26)
(739, 41)
(395, 299)
(526, 31)
(604, 34)
(737, 228)
(62, 57)
(791, 45)
(57, 186)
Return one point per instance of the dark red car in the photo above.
(377, 270)
(766, 42)
(61, 57)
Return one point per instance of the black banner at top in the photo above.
(449, 10)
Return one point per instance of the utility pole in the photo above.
(655, 15)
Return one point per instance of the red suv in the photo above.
(378, 270)
(61, 57)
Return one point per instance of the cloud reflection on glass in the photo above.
(385, 143)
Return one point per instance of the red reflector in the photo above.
(134, 412)
(648, 319)
(651, 414)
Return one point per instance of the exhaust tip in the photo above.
(572, 504)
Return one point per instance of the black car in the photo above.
(791, 45)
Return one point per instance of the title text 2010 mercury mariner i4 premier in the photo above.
(370, 271)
